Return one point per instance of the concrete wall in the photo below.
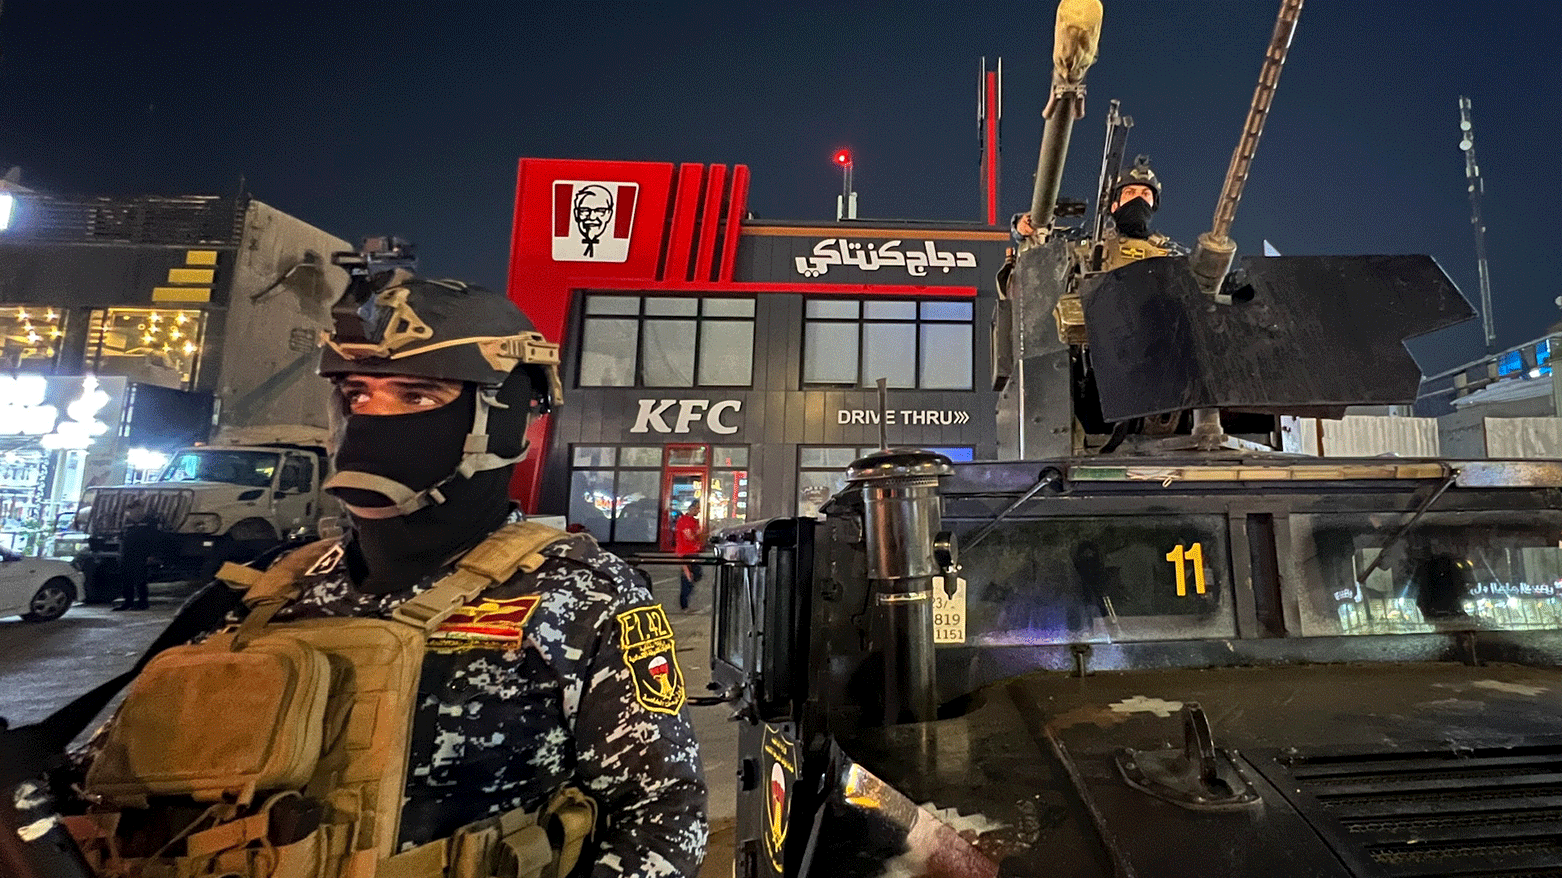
(1360, 436)
(1524, 437)
(1463, 431)
(283, 288)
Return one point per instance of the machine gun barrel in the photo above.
(1076, 37)
(1211, 259)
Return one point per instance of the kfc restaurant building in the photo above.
(731, 360)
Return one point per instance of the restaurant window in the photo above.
(728, 495)
(615, 491)
(821, 470)
(912, 344)
(152, 345)
(667, 341)
(32, 336)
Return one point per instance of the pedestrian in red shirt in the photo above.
(688, 539)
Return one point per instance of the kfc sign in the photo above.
(592, 220)
(678, 415)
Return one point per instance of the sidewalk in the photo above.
(713, 726)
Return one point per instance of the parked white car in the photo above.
(37, 589)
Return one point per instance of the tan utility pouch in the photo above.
(311, 716)
(216, 725)
(516, 844)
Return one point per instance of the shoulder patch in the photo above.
(646, 637)
(486, 624)
(327, 562)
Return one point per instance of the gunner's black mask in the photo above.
(419, 450)
(1133, 218)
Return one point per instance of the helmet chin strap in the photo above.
(475, 458)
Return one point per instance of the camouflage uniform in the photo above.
(568, 674)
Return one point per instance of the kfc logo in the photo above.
(592, 220)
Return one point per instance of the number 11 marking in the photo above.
(1195, 556)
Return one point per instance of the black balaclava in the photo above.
(420, 450)
(1133, 218)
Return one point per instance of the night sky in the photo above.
(367, 118)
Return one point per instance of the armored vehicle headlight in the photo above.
(203, 522)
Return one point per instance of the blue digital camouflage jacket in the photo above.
(565, 675)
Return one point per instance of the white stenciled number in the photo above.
(1194, 555)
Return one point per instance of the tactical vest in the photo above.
(1119, 251)
(280, 750)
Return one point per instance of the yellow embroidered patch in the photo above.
(646, 637)
(487, 624)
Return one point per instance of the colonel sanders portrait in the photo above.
(593, 212)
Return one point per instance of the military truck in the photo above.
(212, 503)
(1150, 645)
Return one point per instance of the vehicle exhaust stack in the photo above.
(907, 551)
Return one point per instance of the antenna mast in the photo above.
(1472, 175)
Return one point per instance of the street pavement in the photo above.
(45, 665)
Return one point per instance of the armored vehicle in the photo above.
(1150, 646)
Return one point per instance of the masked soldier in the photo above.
(544, 690)
(1135, 199)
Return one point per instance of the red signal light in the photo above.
(843, 157)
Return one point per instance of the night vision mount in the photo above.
(377, 255)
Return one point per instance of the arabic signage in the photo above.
(915, 259)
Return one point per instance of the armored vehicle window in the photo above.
(1452, 571)
(1074, 580)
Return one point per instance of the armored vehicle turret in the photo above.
(1148, 644)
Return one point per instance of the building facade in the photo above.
(148, 321)
(1506, 404)
(708, 355)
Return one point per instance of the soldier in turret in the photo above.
(1135, 199)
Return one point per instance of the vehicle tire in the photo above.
(51, 600)
(253, 530)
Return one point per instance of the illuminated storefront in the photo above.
(185, 332)
(62, 433)
(734, 361)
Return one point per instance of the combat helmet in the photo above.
(399, 324)
(395, 323)
(1139, 175)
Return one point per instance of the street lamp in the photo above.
(846, 203)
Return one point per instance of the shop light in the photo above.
(146, 459)
(83, 426)
(7, 205)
